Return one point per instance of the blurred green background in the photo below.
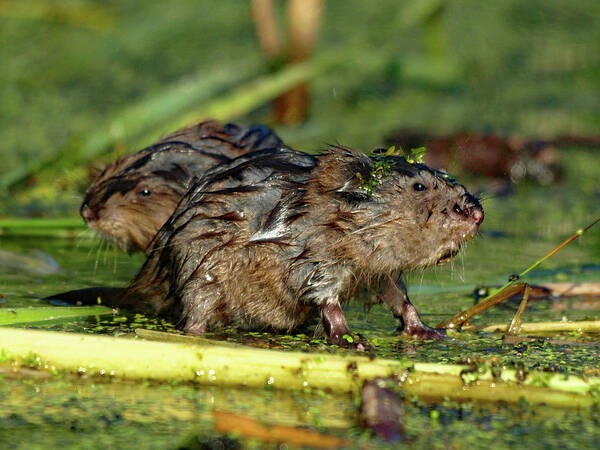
(80, 75)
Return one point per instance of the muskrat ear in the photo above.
(95, 171)
(344, 171)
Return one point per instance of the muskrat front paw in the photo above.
(424, 332)
(196, 328)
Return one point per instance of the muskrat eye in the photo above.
(144, 193)
(457, 209)
(419, 187)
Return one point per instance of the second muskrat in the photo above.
(274, 239)
(131, 199)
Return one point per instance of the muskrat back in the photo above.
(131, 199)
(274, 239)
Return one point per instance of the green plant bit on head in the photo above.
(381, 169)
(382, 166)
(415, 155)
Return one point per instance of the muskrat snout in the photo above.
(471, 209)
(476, 213)
(88, 214)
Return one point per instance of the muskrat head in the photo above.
(128, 207)
(441, 214)
(135, 195)
(403, 215)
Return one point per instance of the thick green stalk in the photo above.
(219, 365)
(243, 366)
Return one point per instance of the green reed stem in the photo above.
(108, 356)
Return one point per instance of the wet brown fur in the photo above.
(273, 239)
(134, 196)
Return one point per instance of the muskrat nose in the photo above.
(87, 213)
(477, 215)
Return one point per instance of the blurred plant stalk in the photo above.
(303, 23)
(131, 122)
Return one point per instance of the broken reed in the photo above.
(510, 288)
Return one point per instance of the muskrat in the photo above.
(276, 238)
(132, 197)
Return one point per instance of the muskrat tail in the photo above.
(106, 296)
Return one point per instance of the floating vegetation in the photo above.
(28, 316)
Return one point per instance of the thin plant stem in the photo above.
(511, 287)
(515, 324)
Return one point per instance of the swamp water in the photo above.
(40, 410)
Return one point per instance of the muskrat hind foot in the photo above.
(336, 329)
(422, 331)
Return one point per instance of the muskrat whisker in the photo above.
(98, 250)
(359, 230)
(422, 277)
(94, 246)
(84, 235)
(105, 254)
(115, 254)
(485, 196)
(462, 263)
